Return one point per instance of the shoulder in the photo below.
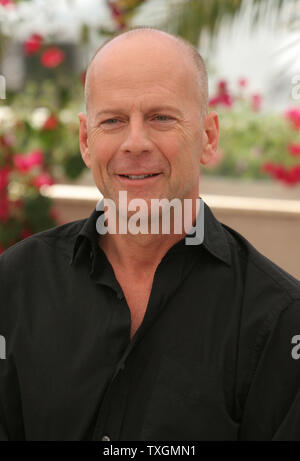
(59, 238)
(269, 315)
(259, 272)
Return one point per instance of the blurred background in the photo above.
(252, 52)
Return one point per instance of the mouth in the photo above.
(138, 176)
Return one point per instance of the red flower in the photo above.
(24, 163)
(4, 208)
(275, 170)
(287, 176)
(267, 167)
(279, 172)
(292, 176)
(293, 115)
(4, 173)
(6, 140)
(52, 57)
(256, 101)
(25, 233)
(17, 204)
(33, 44)
(294, 149)
(51, 123)
(44, 179)
(54, 215)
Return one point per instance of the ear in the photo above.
(210, 138)
(83, 139)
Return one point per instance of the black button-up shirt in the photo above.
(215, 358)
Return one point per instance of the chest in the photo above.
(137, 296)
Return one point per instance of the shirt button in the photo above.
(105, 438)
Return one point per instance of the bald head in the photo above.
(185, 53)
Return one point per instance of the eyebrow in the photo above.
(152, 109)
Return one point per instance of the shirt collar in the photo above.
(215, 240)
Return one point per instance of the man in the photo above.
(124, 336)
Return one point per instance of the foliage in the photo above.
(39, 126)
(190, 17)
(255, 143)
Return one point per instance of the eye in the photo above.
(108, 121)
(164, 118)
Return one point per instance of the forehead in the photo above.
(139, 66)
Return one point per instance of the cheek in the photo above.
(182, 152)
(172, 146)
(101, 149)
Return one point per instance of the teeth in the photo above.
(142, 176)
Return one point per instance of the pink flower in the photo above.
(25, 163)
(33, 44)
(4, 208)
(294, 149)
(21, 163)
(222, 86)
(293, 115)
(243, 82)
(223, 97)
(51, 123)
(52, 57)
(7, 2)
(36, 157)
(256, 101)
(4, 173)
(43, 179)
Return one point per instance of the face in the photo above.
(144, 133)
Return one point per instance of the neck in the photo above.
(140, 254)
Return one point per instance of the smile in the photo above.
(141, 176)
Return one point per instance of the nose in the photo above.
(137, 139)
